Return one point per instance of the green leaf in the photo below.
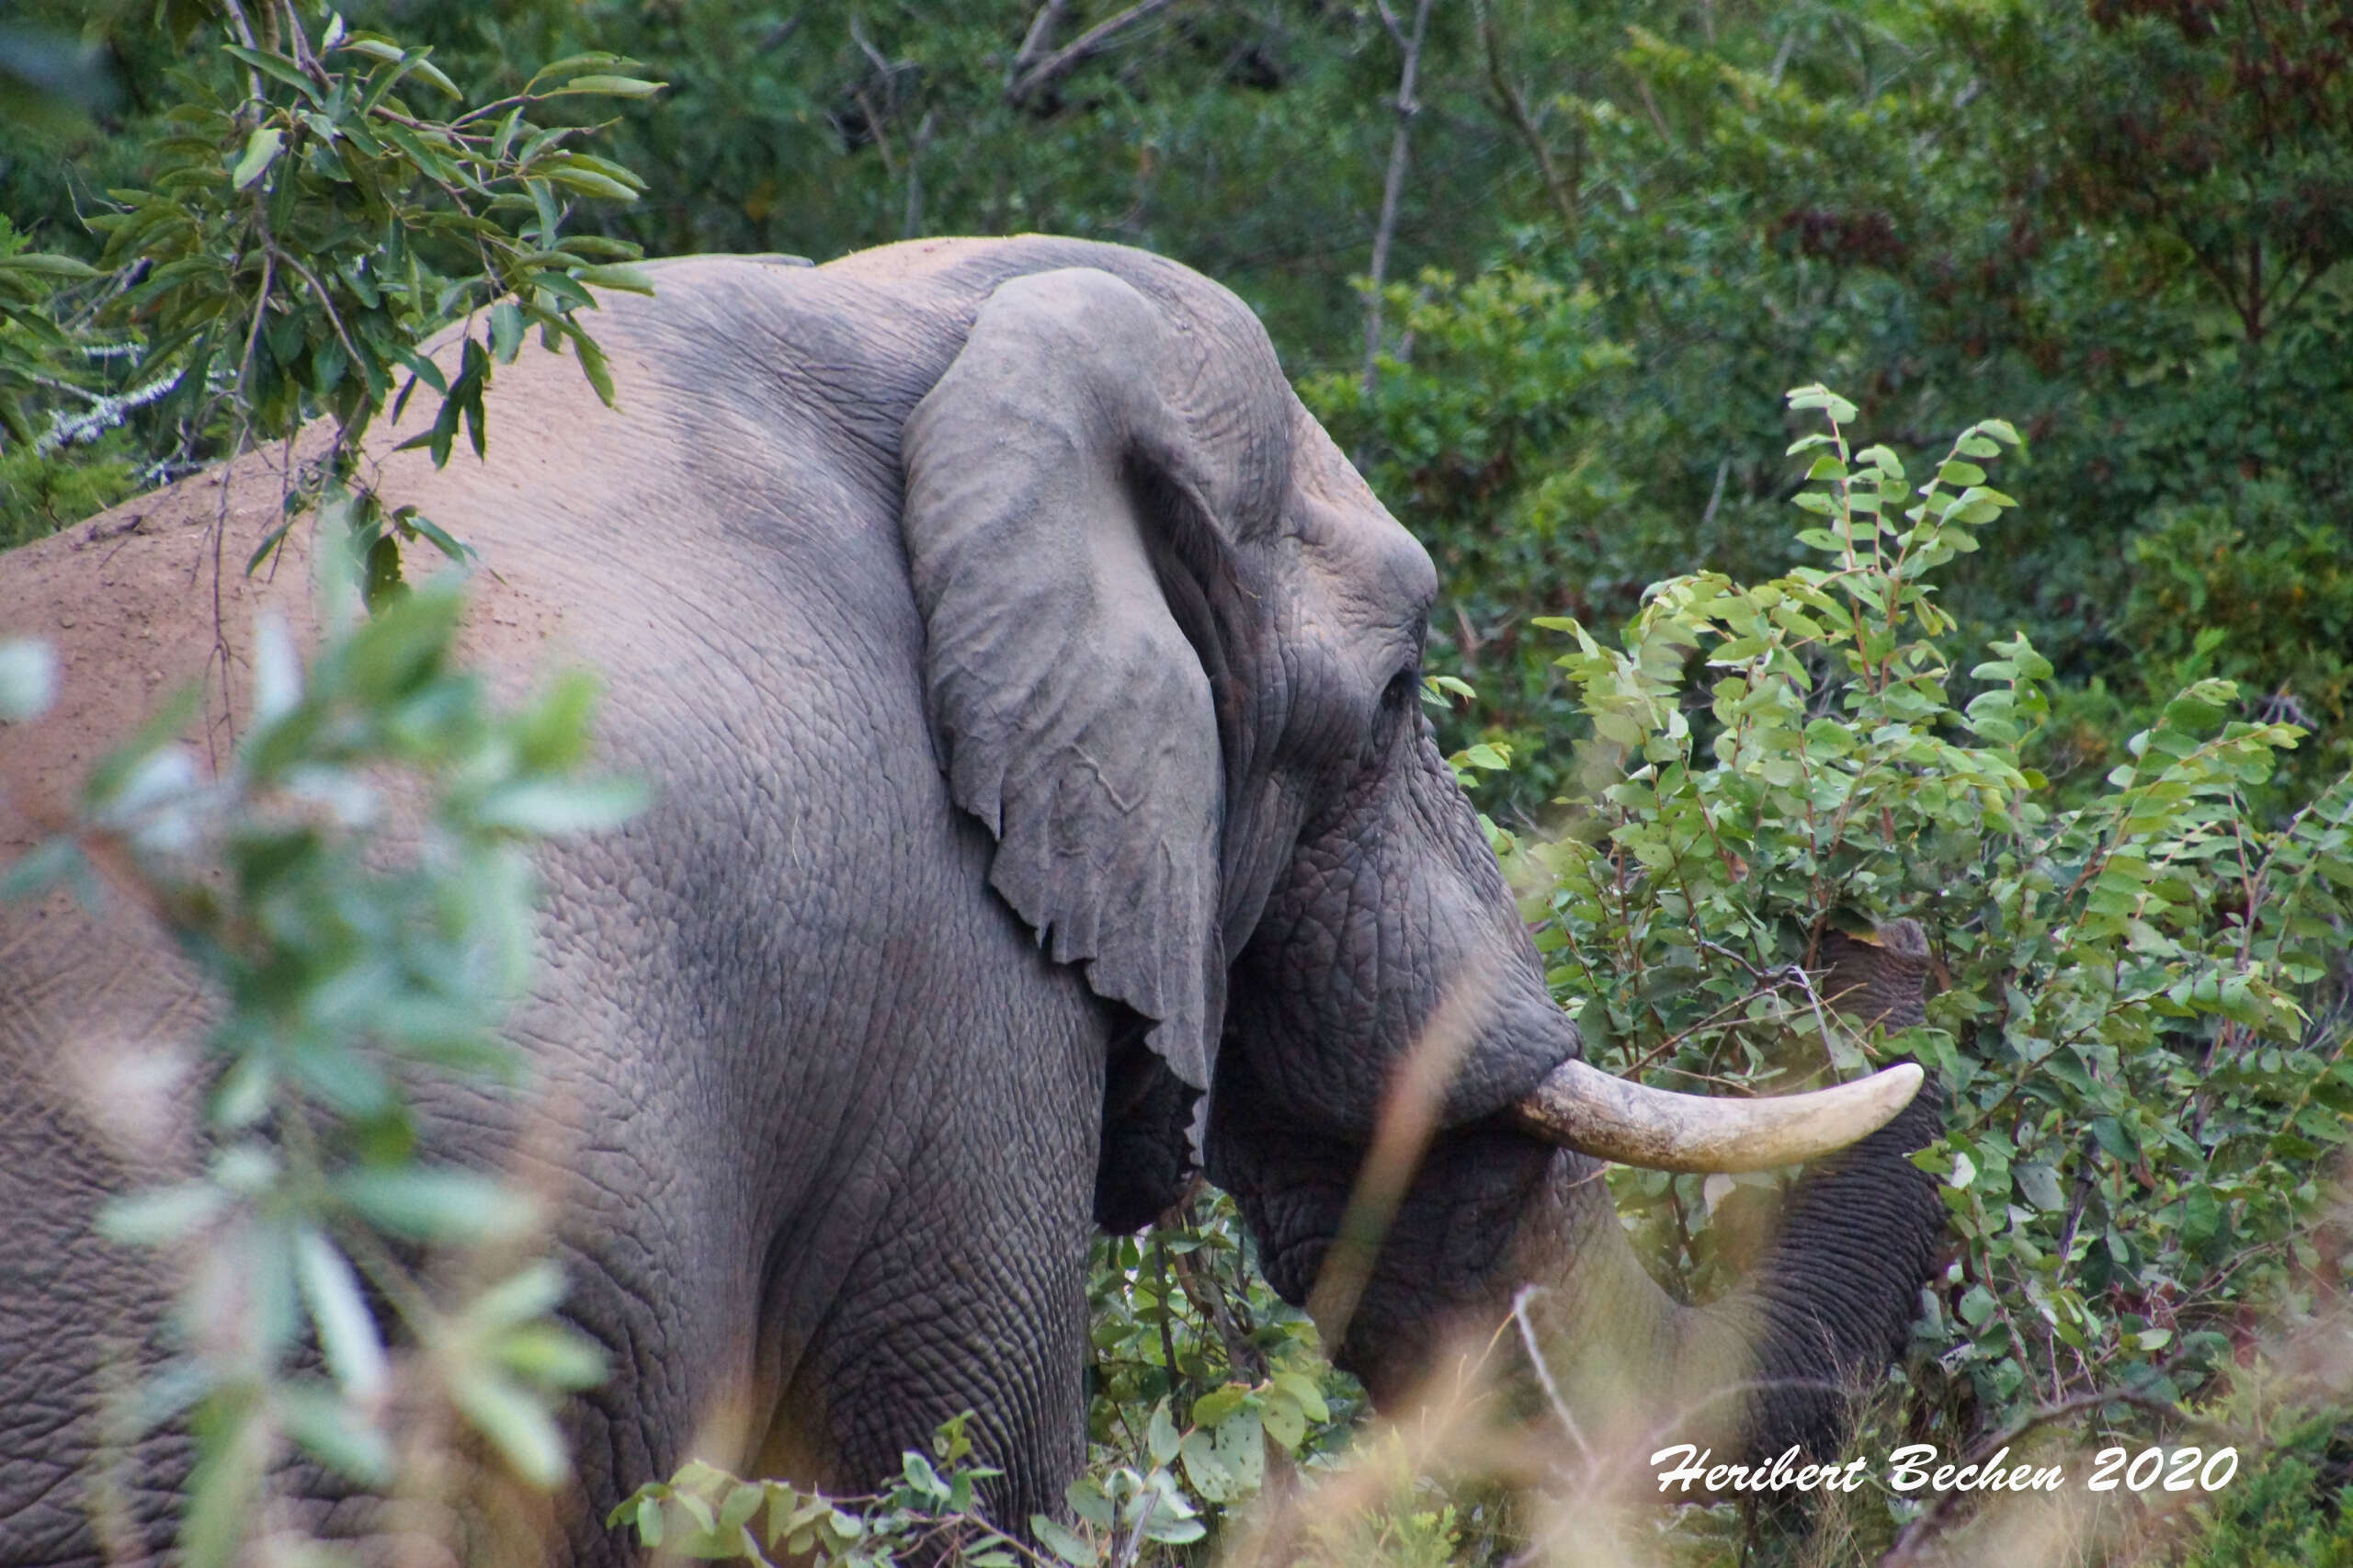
(381, 583)
(1087, 1500)
(225, 1484)
(261, 151)
(742, 1502)
(425, 70)
(1161, 1437)
(555, 807)
(1305, 1393)
(587, 182)
(1173, 1531)
(336, 1434)
(1229, 1464)
(375, 48)
(114, 774)
(515, 1422)
(1285, 1422)
(616, 87)
(280, 67)
(592, 364)
(630, 279)
(523, 1295)
(505, 331)
(553, 1355)
(1213, 1407)
(1840, 411)
(44, 265)
(1066, 1546)
(53, 860)
(28, 680)
(576, 62)
(921, 1476)
(439, 1205)
(408, 519)
(347, 1337)
(2039, 1184)
(161, 1214)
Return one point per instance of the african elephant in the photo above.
(1031, 689)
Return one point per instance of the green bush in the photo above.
(1488, 434)
(2282, 1513)
(2143, 1069)
(308, 215)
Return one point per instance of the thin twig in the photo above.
(1036, 41)
(1565, 195)
(1544, 1379)
(1055, 66)
(327, 303)
(874, 125)
(1715, 496)
(912, 225)
(1391, 189)
(255, 97)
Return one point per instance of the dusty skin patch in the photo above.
(127, 597)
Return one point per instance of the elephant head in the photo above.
(1174, 664)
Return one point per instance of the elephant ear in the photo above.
(1075, 719)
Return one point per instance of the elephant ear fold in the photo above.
(1074, 717)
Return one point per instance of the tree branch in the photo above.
(1391, 189)
(1564, 196)
(1036, 41)
(1055, 66)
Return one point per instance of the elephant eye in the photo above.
(1404, 687)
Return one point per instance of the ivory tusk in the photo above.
(1584, 1108)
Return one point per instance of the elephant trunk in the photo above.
(1497, 1215)
(1777, 1361)
(1827, 1303)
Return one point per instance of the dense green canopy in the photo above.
(1620, 231)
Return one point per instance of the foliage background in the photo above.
(1621, 229)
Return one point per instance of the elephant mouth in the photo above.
(1581, 1108)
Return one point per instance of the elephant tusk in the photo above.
(1584, 1108)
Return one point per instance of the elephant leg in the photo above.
(971, 1294)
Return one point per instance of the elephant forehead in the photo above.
(1371, 576)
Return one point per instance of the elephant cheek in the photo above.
(1443, 1254)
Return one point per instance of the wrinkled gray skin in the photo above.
(1032, 690)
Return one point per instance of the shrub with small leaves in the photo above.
(321, 199)
(2142, 1034)
(354, 890)
(704, 1513)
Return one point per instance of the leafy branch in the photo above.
(301, 238)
